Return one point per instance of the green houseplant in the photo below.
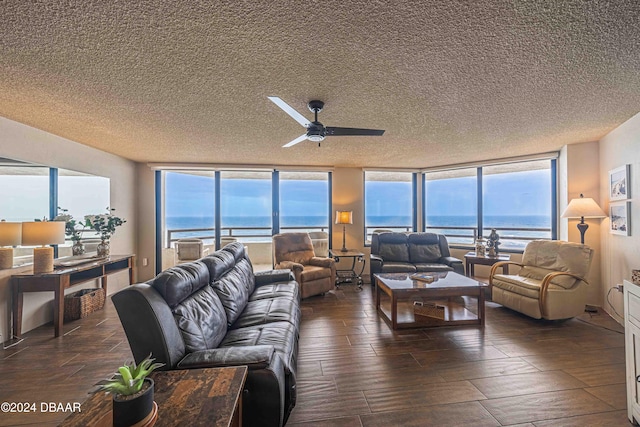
(70, 230)
(132, 392)
(105, 225)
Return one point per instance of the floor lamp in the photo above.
(344, 217)
(583, 207)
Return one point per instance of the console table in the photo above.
(211, 397)
(61, 279)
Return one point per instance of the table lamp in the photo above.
(583, 207)
(344, 217)
(42, 233)
(10, 235)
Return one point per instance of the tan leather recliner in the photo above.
(551, 281)
(294, 251)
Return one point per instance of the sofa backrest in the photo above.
(541, 257)
(391, 247)
(425, 247)
(196, 308)
(232, 278)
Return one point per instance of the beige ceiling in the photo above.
(450, 81)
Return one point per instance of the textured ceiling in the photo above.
(450, 81)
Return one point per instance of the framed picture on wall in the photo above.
(620, 218)
(619, 183)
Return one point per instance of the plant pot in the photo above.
(129, 410)
(103, 248)
(77, 248)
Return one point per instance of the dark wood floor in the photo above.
(354, 371)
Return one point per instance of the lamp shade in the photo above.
(583, 207)
(10, 233)
(344, 217)
(42, 233)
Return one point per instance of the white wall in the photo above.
(21, 142)
(579, 167)
(620, 254)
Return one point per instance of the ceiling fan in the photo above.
(316, 131)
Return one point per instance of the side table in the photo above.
(349, 275)
(211, 396)
(471, 259)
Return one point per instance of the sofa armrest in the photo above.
(322, 262)
(546, 281)
(293, 266)
(254, 357)
(454, 263)
(376, 263)
(263, 400)
(270, 276)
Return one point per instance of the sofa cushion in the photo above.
(179, 282)
(542, 257)
(392, 247)
(398, 267)
(281, 335)
(279, 309)
(234, 289)
(290, 290)
(430, 266)
(218, 263)
(312, 272)
(201, 320)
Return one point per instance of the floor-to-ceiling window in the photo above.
(389, 200)
(517, 199)
(239, 205)
(304, 201)
(246, 205)
(517, 202)
(451, 204)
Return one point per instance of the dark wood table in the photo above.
(193, 397)
(64, 276)
(349, 275)
(444, 289)
(470, 259)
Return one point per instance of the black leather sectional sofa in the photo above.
(216, 312)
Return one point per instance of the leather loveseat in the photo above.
(216, 312)
(411, 252)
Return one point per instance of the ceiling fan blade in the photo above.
(335, 131)
(295, 141)
(290, 111)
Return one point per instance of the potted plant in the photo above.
(71, 231)
(132, 392)
(105, 225)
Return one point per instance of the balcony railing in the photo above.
(240, 233)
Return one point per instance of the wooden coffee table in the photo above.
(444, 290)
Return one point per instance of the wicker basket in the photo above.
(428, 309)
(82, 303)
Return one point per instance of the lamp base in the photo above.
(6, 258)
(43, 260)
(582, 227)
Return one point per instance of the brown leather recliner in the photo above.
(294, 251)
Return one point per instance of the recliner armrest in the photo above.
(290, 265)
(255, 357)
(270, 276)
(322, 262)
